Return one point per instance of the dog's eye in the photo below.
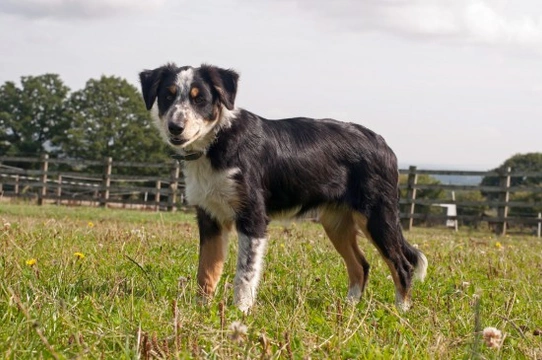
(171, 93)
(199, 100)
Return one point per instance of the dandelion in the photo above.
(79, 255)
(237, 331)
(31, 262)
(140, 233)
(90, 224)
(498, 245)
(492, 337)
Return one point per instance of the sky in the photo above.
(449, 83)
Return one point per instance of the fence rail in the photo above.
(161, 187)
(70, 182)
(502, 206)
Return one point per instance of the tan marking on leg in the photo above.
(211, 262)
(341, 230)
(402, 295)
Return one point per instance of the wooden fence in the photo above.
(102, 183)
(71, 182)
(500, 221)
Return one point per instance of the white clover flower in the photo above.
(237, 331)
(492, 337)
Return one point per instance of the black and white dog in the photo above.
(242, 170)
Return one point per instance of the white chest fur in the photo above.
(214, 191)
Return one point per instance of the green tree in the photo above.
(32, 116)
(529, 162)
(109, 118)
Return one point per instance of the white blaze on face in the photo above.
(183, 113)
(184, 79)
(198, 132)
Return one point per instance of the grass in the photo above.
(130, 293)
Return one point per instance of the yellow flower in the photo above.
(498, 245)
(90, 224)
(31, 262)
(80, 255)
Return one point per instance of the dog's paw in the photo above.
(354, 294)
(402, 303)
(244, 296)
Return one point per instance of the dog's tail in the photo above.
(417, 259)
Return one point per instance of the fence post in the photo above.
(106, 182)
(17, 177)
(456, 224)
(59, 190)
(157, 195)
(504, 197)
(44, 166)
(411, 196)
(173, 185)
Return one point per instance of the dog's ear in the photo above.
(150, 80)
(224, 82)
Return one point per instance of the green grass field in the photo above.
(112, 284)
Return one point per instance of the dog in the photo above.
(241, 170)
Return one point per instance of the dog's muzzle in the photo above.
(175, 132)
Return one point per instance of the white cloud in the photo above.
(76, 8)
(474, 21)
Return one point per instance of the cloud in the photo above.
(67, 9)
(475, 21)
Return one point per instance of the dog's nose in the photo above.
(174, 128)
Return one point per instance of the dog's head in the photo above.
(189, 103)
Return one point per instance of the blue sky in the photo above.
(448, 83)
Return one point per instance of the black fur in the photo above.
(298, 163)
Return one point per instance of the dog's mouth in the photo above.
(177, 141)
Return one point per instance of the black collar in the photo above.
(188, 157)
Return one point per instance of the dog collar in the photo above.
(188, 157)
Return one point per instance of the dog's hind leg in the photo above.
(341, 230)
(384, 231)
(212, 252)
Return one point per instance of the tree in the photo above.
(109, 118)
(530, 162)
(33, 115)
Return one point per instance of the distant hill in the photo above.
(458, 180)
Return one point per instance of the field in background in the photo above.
(114, 284)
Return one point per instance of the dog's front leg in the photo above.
(252, 244)
(212, 252)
